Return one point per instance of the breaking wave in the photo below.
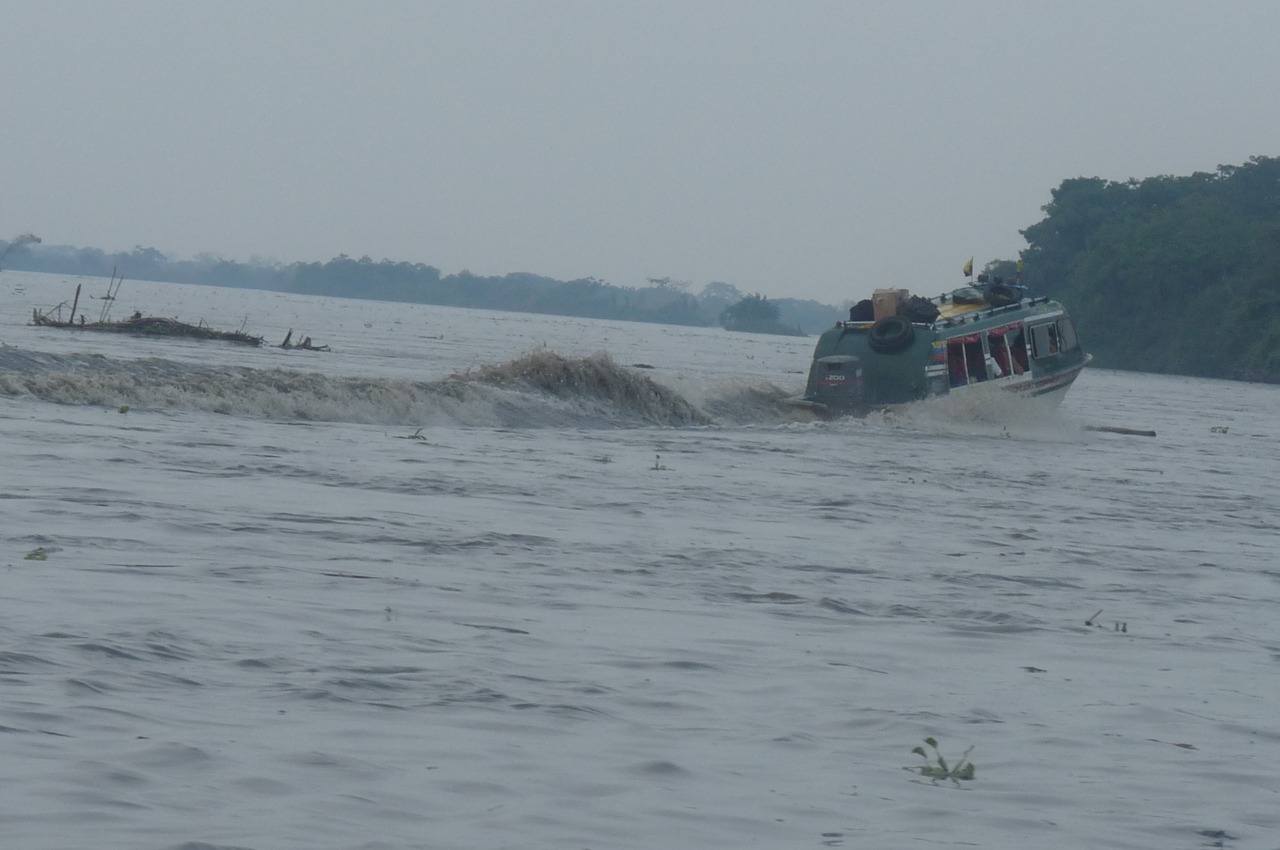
(591, 379)
(541, 389)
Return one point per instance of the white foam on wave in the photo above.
(984, 412)
(540, 389)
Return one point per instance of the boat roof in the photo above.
(951, 308)
(953, 314)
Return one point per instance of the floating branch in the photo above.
(305, 344)
(1116, 429)
(138, 324)
(108, 299)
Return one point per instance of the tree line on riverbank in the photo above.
(1179, 275)
(664, 300)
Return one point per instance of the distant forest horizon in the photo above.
(664, 301)
(1175, 275)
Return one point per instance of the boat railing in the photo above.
(988, 312)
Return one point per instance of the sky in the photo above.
(801, 149)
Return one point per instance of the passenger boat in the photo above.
(897, 349)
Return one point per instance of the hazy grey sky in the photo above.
(806, 149)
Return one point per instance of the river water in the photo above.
(486, 580)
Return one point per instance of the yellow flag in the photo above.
(968, 268)
(1019, 266)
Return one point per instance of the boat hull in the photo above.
(1051, 387)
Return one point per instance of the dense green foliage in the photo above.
(756, 314)
(664, 301)
(1168, 274)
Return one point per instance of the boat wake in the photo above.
(979, 414)
(540, 389)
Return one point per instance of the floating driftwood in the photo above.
(139, 325)
(304, 344)
(1116, 429)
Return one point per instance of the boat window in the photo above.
(1067, 334)
(1018, 351)
(955, 364)
(999, 348)
(975, 358)
(1044, 340)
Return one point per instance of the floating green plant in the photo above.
(937, 767)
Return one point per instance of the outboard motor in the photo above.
(838, 383)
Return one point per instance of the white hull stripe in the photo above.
(1050, 383)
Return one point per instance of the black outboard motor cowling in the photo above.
(839, 382)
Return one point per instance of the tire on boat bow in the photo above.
(891, 334)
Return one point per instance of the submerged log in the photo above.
(1116, 429)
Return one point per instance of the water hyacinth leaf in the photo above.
(962, 770)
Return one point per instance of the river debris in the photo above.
(1116, 429)
(936, 767)
(137, 324)
(305, 343)
(140, 325)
